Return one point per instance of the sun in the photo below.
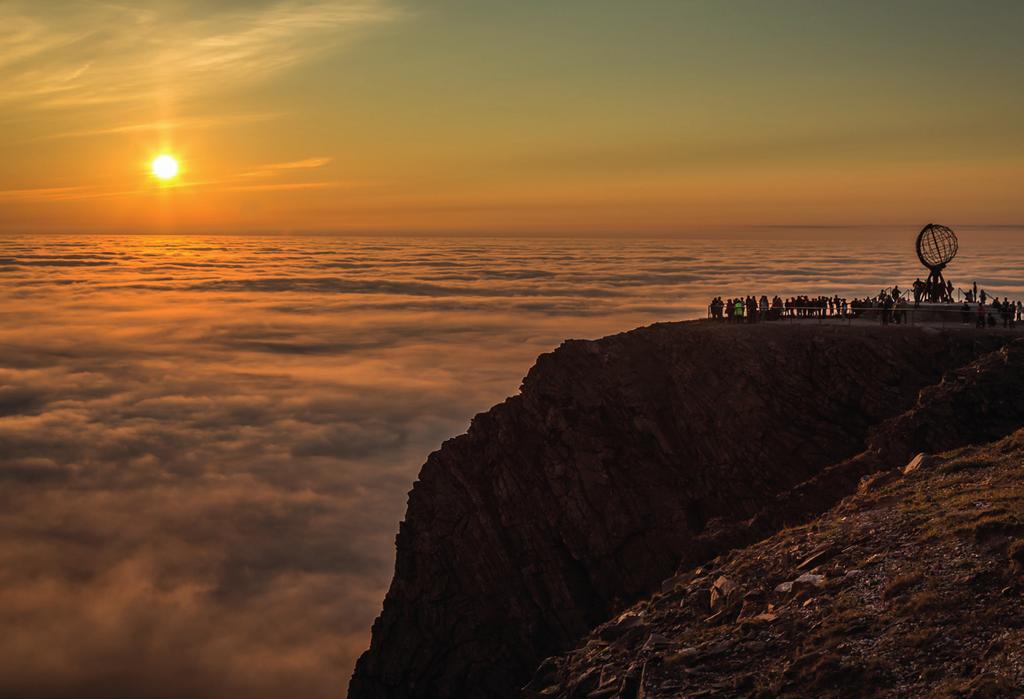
(164, 167)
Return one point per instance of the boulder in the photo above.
(621, 627)
(722, 592)
(816, 558)
(922, 460)
(807, 582)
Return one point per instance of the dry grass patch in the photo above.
(902, 584)
(967, 463)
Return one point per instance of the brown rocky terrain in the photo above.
(629, 459)
(912, 587)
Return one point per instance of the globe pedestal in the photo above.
(936, 247)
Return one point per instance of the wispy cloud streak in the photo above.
(282, 186)
(182, 124)
(44, 193)
(72, 56)
(275, 168)
(82, 192)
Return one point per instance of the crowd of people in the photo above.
(751, 309)
(890, 306)
(986, 314)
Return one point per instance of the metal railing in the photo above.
(902, 313)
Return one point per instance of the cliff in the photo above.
(912, 586)
(624, 458)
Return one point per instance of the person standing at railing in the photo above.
(981, 313)
(974, 292)
(715, 308)
(1020, 310)
(738, 310)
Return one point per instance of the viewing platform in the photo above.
(948, 315)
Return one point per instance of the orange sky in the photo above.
(483, 116)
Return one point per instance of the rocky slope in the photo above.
(626, 457)
(913, 587)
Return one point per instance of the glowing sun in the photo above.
(164, 167)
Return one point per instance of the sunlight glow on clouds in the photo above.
(85, 54)
(207, 441)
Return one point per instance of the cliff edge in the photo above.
(913, 586)
(624, 458)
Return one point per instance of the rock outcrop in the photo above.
(621, 458)
(915, 588)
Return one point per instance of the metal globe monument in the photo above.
(936, 247)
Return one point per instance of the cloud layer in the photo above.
(207, 442)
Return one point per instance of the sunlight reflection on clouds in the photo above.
(208, 441)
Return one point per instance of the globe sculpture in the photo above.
(936, 247)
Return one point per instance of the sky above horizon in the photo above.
(500, 117)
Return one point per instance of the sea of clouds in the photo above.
(206, 443)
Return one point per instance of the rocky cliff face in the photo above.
(619, 459)
(912, 586)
